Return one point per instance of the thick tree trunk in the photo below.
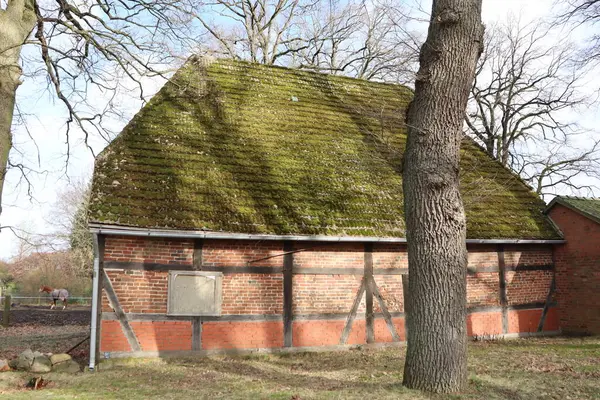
(16, 22)
(436, 358)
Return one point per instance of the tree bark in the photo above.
(436, 358)
(16, 22)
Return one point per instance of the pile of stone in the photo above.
(34, 361)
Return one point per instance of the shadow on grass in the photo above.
(496, 373)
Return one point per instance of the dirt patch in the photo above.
(47, 331)
(42, 316)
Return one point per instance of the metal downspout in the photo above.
(95, 289)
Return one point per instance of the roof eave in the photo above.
(168, 233)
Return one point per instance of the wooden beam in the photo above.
(386, 314)
(197, 257)
(114, 303)
(353, 311)
(196, 333)
(368, 256)
(296, 271)
(545, 267)
(6, 313)
(547, 304)
(502, 287)
(347, 271)
(187, 267)
(288, 266)
(111, 316)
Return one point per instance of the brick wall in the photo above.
(139, 291)
(148, 250)
(577, 272)
(484, 324)
(483, 289)
(328, 255)
(527, 286)
(324, 294)
(520, 321)
(252, 294)
(163, 335)
(242, 335)
(112, 337)
(222, 253)
(482, 256)
(256, 294)
(527, 254)
(390, 256)
(390, 287)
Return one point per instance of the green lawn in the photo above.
(555, 368)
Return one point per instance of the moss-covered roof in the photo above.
(589, 207)
(244, 148)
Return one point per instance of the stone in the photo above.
(4, 366)
(69, 367)
(13, 363)
(59, 358)
(41, 364)
(25, 360)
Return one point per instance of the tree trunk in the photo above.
(16, 22)
(436, 358)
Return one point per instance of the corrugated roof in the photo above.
(589, 207)
(239, 147)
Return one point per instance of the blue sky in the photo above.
(46, 126)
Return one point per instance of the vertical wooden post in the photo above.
(288, 266)
(550, 294)
(405, 293)
(369, 292)
(197, 256)
(6, 313)
(197, 333)
(502, 287)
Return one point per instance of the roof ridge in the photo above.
(577, 197)
(210, 59)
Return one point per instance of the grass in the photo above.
(558, 368)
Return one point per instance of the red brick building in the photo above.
(578, 263)
(256, 207)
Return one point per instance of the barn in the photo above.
(250, 207)
(577, 263)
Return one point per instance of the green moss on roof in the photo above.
(589, 207)
(245, 148)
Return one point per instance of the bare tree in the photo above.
(84, 47)
(436, 357)
(261, 31)
(525, 86)
(368, 40)
(362, 39)
(584, 13)
(560, 167)
(69, 217)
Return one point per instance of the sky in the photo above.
(33, 212)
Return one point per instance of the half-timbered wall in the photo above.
(278, 294)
